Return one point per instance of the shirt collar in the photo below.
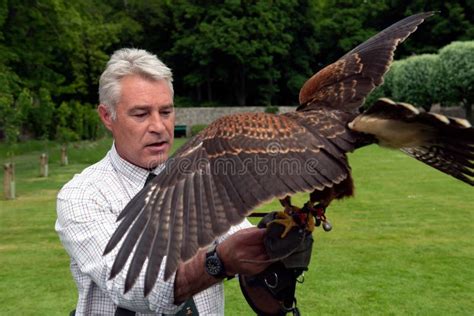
(129, 171)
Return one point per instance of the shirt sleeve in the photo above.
(244, 224)
(85, 224)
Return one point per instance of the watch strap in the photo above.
(211, 254)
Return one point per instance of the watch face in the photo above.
(213, 266)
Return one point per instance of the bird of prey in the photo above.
(240, 161)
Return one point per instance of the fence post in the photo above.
(64, 159)
(9, 181)
(43, 165)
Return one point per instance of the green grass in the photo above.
(404, 245)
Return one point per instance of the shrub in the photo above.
(416, 80)
(457, 72)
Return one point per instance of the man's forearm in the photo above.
(234, 252)
(192, 278)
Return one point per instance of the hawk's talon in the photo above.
(296, 220)
(286, 220)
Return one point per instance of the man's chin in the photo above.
(155, 161)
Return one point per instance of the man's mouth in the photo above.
(157, 146)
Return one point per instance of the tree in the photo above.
(10, 117)
(230, 50)
(60, 45)
(340, 25)
(64, 132)
(90, 29)
(42, 113)
(298, 65)
(453, 20)
(457, 71)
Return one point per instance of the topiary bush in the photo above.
(416, 80)
(457, 73)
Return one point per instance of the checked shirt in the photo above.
(87, 208)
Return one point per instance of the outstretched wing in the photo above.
(442, 142)
(213, 182)
(345, 83)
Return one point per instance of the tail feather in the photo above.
(444, 143)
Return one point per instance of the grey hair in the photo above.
(129, 61)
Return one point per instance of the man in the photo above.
(136, 105)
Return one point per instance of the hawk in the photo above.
(240, 161)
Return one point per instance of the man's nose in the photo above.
(156, 124)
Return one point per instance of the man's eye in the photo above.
(166, 113)
(139, 114)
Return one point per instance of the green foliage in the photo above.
(239, 52)
(183, 102)
(271, 109)
(60, 45)
(41, 115)
(416, 80)
(196, 129)
(10, 116)
(91, 123)
(64, 133)
(9, 119)
(340, 25)
(235, 44)
(457, 71)
(24, 105)
(84, 120)
(77, 119)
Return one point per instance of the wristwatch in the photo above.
(213, 263)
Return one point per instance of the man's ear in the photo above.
(105, 116)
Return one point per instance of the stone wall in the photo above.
(454, 111)
(200, 115)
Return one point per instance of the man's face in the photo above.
(144, 126)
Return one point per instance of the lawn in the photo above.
(404, 245)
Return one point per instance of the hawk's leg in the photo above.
(324, 197)
(319, 213)
(286, 203)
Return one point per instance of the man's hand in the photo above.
(246, 244)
